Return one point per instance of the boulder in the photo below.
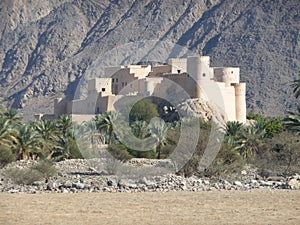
(238, 183)
(293, 184)
(244, 172)
(78, 185)
(276, 178)
(52, 186)
(68, 184)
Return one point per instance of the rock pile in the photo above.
(87, 179)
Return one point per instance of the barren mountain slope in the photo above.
(46, 46)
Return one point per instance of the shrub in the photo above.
(142, 154)
(74, 150)
(23, 176)
(281, 156)
(6, 156)
(45, 167)
(26, 176)
(228, 160)
(191, 167)
(112, 166)
(119, 151)
(226, 163)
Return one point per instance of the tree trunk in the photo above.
(158, 152)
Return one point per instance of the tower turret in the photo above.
(240, 102)
(198, 68)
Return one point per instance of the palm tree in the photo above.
(70, 136)
(232, 131)
(68, 147)
(12, 115)
(159, 130)
(27, 142)
(140, 129)
(7, 133)
(64, 124)
(296, 86)
(95, 136)
(251, 140)
(292, 122)
(48, 131)
(104, 123)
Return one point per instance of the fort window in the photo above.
(203, 74)
(231, 71)
(113, 80)
(116, 80)
(178, 71)
(103, 89)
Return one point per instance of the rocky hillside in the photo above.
(46, 46)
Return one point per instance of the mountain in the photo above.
(47, 46)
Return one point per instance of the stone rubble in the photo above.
(83, 178)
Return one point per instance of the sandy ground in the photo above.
(216, 207)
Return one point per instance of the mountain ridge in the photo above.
(46, 47)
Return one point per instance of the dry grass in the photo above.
(217, 207)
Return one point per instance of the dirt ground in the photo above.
(216, 207)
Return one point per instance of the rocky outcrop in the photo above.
(198, 107)
(79, 176)
(46, 46)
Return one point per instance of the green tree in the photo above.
(7, 139)
(143, 110)
(233, 131)
(140, 129)
(296, 88)
(254, 116)
(64, 125)
(286, 149)
(280, 155)
(251, 141)
(7, 133)
(27, 142)
(272, 125)
(48, 132)
(104, 123)
(68, 148)
(159, 130)
(68, 132)
(12, 115)
(292, 122)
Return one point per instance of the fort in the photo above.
(193, 74)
